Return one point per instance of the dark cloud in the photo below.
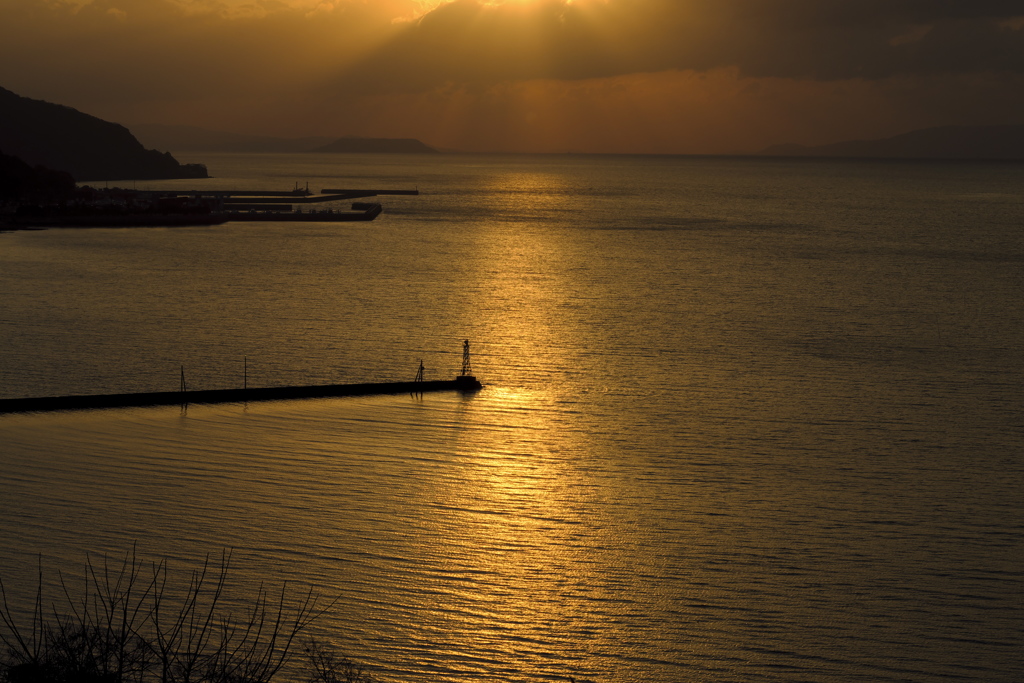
(700, 74)
(114, 50)
(471, 42)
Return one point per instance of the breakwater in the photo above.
(121, 208)
(462, 383)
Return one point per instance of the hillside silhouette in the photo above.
(21, 182)
(89, 148)
(945, 142)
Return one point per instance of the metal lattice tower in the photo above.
(467, 369)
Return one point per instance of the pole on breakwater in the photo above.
(184, 390)
(169, 398)
(418, 381)
(467, 370)
(463, 383)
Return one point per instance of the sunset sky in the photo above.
(643, 76)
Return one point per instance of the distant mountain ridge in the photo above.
(946, 142)
(89, 148)
(196, 139)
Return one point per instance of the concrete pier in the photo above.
(464, 383)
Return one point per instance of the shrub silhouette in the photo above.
(130, 625)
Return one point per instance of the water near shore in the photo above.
(746, 420)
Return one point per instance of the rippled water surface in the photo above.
(745, 420)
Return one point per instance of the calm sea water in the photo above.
(745, 420)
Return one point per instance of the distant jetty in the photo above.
(167, 208)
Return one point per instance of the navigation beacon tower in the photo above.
(466, 381)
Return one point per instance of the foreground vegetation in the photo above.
(129, 624)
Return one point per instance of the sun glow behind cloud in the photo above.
(680, 112)
(525, 75)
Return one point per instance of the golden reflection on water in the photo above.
(526, 298)
(692, 454)
(508, 516)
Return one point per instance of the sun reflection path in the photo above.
(518, 270)
(519, 527)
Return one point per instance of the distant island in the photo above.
(196, 139)
(88, 148)
(376, 146)
(1002, 143)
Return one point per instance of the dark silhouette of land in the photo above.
(19, 182)
(88, 148)
(947, 142)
